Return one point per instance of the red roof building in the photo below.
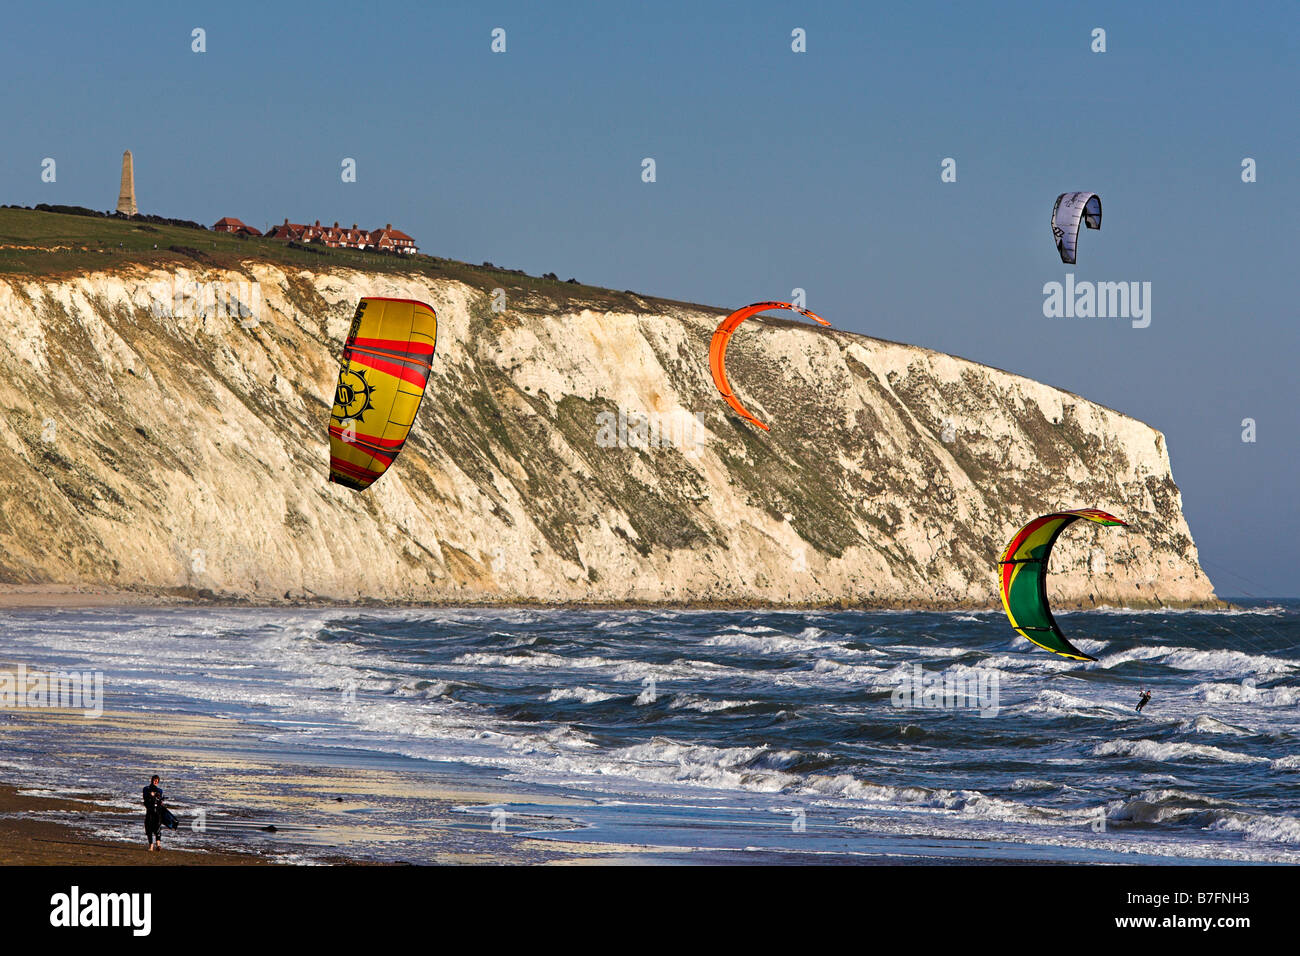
(230, 224)
(288, 231)
(387, 239)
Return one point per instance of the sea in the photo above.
(689, 735)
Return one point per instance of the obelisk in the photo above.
(126, 197)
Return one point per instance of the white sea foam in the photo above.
(1271, 610)
(1104, 844)
(706, 705)
(927, 650)
(1058, 703)
(1133, 654)
(851, 673)
(1262, 828)
(585, 695)
(1228, 662)
(1248, 692)
(780, 644)
(1160, 750)
(438, 688)
(1203, 724)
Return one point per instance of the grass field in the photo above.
(47, 244)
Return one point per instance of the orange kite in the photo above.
(718, 349)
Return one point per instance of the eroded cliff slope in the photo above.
(151, 439)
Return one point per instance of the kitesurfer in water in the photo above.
(1143, 700)
(153, 800)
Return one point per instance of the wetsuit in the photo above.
(1143, 700)
(153, 798)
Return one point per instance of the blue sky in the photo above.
(775, 170)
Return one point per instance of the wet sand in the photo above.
(265, 804)
(41, 830)
(48, 831)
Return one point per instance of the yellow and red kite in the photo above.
(386, 364)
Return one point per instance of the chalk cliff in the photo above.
(567, 451)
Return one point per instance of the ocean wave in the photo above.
(1037, 661)
(1247, 692)
(1160, 750)
(1106, 844)
(1133, 655)
(851, 673)
(812, 633)
(1272, 610)
(1262, 828)
(748, 768)
(1228, 662)
(780, 644)
(1203, 724)
(427, 689)
(1059, 704)
(927, 650)
(706, 705)
(585, 695)
(1168, 806)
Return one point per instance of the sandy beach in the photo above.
(254, 805)
(50, 831)
(78, 596)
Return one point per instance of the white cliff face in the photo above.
(148, 447)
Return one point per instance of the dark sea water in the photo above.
(779, 734)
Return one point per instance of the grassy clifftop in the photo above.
(54, 245)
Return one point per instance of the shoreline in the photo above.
(74, 596)
(315, 783)
(265, 804)
(43, 840)
(51, 829)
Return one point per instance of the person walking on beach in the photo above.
(153, 800)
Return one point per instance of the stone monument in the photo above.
(126, 197)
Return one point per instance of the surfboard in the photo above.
(167, 818)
